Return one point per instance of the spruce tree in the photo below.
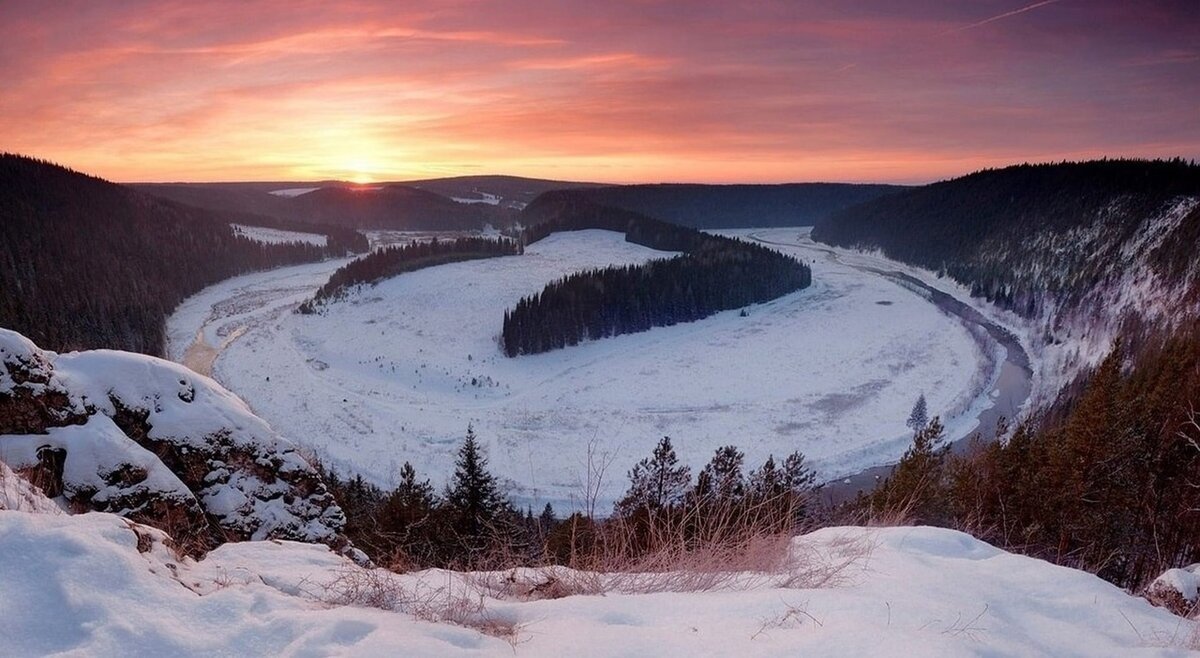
(919, 417)
(473, 496)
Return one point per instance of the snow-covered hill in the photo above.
(152, 440)
(100, 585)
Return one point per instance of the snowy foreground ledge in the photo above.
(99, 585)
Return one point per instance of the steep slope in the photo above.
(86, 263)
(738, 206)
(1081, 250)
(96, 585)
(153, 441)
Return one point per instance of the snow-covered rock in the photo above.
(17, 494)
(1177, 590)
(98, 585)
(154, 441)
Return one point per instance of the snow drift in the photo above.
(100, 585)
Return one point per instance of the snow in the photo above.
(1185, 582)
(96, 450)
(184, 411)
(78, 585)
(484, 197)
(17, 494)
(278, 236)
(396, 372)
(294, 191)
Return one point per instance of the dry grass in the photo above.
(703, 549)
(447, 604)
(793, 616)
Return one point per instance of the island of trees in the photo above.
(713, 274)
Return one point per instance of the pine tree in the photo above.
(797, 477)
(919, 418)
(547, 518)
(473, 496)
(658, 482)
(767, 482)
(408, 519)
(721, 480)
(787, 489)
(916, 484)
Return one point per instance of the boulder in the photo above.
(1177, 590)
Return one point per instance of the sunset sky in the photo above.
(614, 90)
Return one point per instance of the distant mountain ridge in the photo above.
(384, 206)
(468, 202)
(738, 206)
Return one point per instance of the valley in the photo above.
(397, 371)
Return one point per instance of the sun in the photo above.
(360, 171)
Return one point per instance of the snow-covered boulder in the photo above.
(153, 441)
(1177, 590)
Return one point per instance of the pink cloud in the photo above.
(623, 91)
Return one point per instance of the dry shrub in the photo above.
(702, 547)
(446, 604)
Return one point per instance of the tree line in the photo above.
(995, 230)
(471, 524)
(1106, 480)
(85, 263)
(391, 261)
(717, 275)
(339, 240)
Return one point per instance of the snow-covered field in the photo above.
(278, 236)
(96, 585)
(397, 372)
(484, 197)
(294, 191)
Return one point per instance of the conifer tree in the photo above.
(473, 496)
(915, 485)
(658, 482)
(721, 480)
(919, 418)
(408, 520)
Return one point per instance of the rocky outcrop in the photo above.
(1177, 590)
(157, 443)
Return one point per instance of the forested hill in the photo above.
(1082, 248)
(85, 263)
(738, 206)
(383, 206)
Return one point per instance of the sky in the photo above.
(611, 91)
